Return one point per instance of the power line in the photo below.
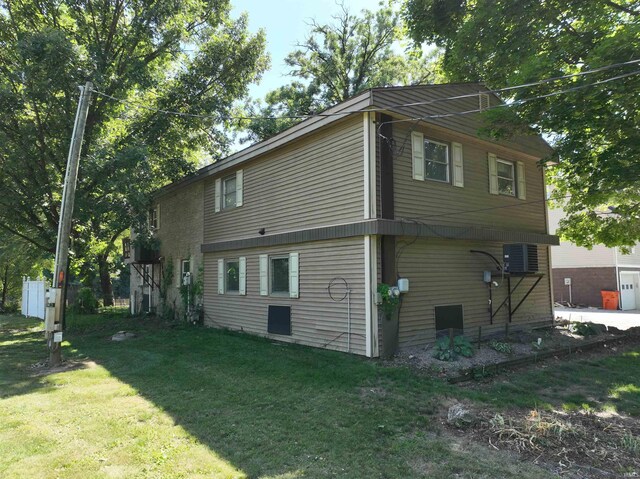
(428, 102)
(516, 102)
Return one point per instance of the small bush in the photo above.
(86, 302)
(461, 347)
(585, 329)
(501, 346)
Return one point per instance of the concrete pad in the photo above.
(618, 319)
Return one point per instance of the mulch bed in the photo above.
(570, 444)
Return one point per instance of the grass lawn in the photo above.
(194, 402)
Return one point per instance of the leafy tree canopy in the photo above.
(187, 56)
(595, 130)
(337, 61)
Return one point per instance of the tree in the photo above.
(595, 128)
(337, 61)
(186, 56)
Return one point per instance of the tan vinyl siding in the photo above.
(445, 272)
(468, 124)
(316, 320)
(318, 180)
(441, 203)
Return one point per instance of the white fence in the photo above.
(33, 297)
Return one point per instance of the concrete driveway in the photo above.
(617, 319)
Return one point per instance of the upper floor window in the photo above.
(436, 157)
(506, 178)
(154, 217)
(228, 191)
(436, 160)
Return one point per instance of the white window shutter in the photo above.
(218, 194)
(242, 276)
(239, 175)
(264, 275)
(458, 165)
(522, 184)
(417, 155)
(220, 276)
(293, 275)
(493, 173)
(178, 272)
(158, 216)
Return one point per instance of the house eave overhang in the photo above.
(383, 227)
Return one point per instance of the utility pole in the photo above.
(56, 295)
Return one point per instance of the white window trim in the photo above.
(266, 273)
(226, 277)
(426, 160)
(513, 177)
(223, 195)
(156, 210)
(182, 271)
(283, 294)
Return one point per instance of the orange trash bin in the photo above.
(609, 299)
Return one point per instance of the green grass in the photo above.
(194, 402)
(610, 383)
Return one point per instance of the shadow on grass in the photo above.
(270, 408)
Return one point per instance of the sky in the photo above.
(286, 23)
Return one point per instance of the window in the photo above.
(185, 270)
(436, 157)
(232, 275)
(229, 192)
(506, 178)
(154, 218)
(279, 274)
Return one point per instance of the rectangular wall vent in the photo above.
(279, 321)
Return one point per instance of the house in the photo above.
(580, 274)
(292, 236)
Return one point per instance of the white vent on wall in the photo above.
(483, 99)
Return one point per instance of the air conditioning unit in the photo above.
(520, 258)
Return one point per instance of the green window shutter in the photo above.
(417, 155)
(242, 276)
(522, 184)
(458, 167)
(293, 275)
(239, 175)
(220, 276)
(264, 275)
(218, 193)
(493, 173)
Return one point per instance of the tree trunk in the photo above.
(5, 287)
(105, 281)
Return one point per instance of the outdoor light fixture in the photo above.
(261, 231)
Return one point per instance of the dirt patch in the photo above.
(573, 444)
(522, 344)
(43, 369)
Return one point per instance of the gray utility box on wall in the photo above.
(520, 258)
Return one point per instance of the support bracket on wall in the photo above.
(508, 300)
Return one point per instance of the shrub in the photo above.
(461, 347)
(86, 302)
(585, 329)
(501, 347)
